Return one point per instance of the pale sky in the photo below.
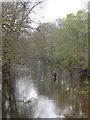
(54, 9)
(60, 8)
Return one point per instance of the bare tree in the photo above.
(16, 23)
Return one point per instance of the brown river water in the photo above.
(36, 95)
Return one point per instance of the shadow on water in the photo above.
(37, 96)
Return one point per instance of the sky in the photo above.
(54, 9)
(60, 8)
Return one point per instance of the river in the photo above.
(37, 96)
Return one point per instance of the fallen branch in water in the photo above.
(18, 100)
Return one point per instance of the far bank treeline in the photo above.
(63, 43)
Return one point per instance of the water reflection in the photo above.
(37, 96)
(25, 89)
(39, 106)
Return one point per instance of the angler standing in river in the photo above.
(54, 76)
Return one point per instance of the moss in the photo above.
(85, 66)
